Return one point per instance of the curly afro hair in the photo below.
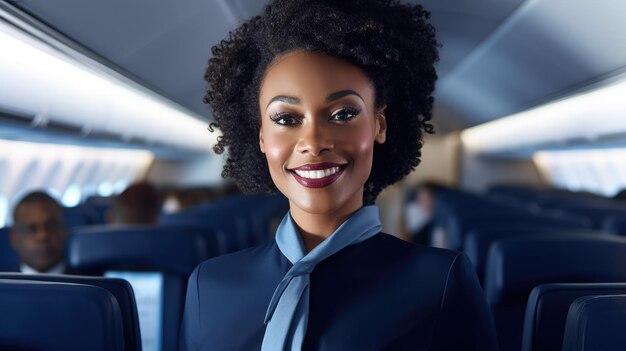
(393, 43)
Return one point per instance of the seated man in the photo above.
(39, 234)
(138, 204)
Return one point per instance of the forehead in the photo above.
(312, 75)
(32, 211)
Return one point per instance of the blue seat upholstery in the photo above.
(8, 257)
(516, 265)
(170, 249)
(615, 225)
(457, 213)
(546, 311)
(234, 230)
(247, 218)
(597, 215)
(119, 288)
(172, 252)
(477, 242)
(463, 225)
(79, 216)
(596, 323)
(58, 316)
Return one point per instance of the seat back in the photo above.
(516, 265)
(234, 230)
(597, 215)
(464, 225)
(119, 288)
(615, 225)
(79, 216)
(8, 257)
(252, 214)
(546, 311)
(596, 323)
(156, 260)
(58, 316)
(477, 242)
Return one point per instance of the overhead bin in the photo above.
(41, 84)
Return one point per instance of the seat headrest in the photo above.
(615, 225)
(516, 265)
(119, 288)
(477, 242)
(58, 316)
(170, 249)
(596, 323)
(546, 311)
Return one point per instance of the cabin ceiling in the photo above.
(498, 56)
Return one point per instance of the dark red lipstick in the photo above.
(317, 182)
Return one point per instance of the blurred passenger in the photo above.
(39, 234)
(138, 204)
(419, 213)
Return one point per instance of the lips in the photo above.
(317, 175)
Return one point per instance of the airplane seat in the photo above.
(267, 216)
(80, 216)
(451, 207)
(258, 210)
(505, 218)
(546, 311)
(40, 315)
(99, 205)
(156, 260)
(119, 288)
(516, 265)
(252, 215)
(234, 229)
(615, 225)
(8, 257)
(596, 323)
(597, 215)
(477, 242)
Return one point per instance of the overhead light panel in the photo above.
(40, 81)
(586, 117)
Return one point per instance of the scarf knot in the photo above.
(287, 313)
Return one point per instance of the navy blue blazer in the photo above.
(380, 294)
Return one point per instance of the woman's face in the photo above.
(319, 124)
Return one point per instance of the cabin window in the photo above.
(600, 171)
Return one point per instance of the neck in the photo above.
(316, 227)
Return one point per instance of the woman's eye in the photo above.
(285, 119)
(345, 114)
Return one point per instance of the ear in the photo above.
(381, 126)
(261, 142)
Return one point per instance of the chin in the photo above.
(316, 203)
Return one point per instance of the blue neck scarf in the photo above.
(288, 311)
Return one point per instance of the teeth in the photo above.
(317, 174)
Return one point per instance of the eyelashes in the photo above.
(285, 119)
(289, 119)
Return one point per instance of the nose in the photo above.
(315, 139)
(42, 233)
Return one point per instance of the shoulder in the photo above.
(392, 247)
(250, 265)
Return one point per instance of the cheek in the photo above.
(362, 145)
(277, 151)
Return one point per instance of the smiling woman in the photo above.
(318, 131)
(326, 102)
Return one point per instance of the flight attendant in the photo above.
(326, 102)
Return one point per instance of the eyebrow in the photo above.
(330, 98)
(338, 95)
(288, 99)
